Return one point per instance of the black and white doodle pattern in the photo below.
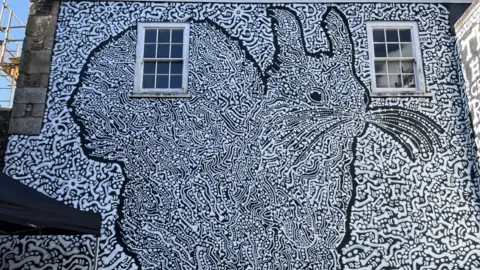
(279, 161)
(468, 38)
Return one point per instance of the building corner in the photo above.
(28, 109)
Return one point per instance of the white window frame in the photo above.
(417, 56)
(138, 90)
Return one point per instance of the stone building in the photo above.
(249, 134)
(468, 37)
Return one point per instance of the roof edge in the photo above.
(466, 15)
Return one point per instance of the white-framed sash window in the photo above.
(161, 68)
(395, 57)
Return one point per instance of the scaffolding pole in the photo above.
(12, 31)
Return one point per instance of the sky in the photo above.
(20, 7)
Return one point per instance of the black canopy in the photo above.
(25, 211)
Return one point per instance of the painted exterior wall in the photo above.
(468, 36)
(251, 173)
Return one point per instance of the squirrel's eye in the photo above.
(316, 96)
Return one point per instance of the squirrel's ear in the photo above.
(338, 33)
(287, 31)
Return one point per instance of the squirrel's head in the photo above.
(325, 79)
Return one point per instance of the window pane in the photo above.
(177, 68)
(409, 81)
(395, 81)
(407, 50)
(163, 67)
(393, 50)
(149, 68)
(392, 35)
(405, 35)
(177, 36)
(176, 81)
(162, 82)
(149, 51)
(382, 81)
(177, 51)
(149, 81)
(380, 66)
(394, 67)
(379, 35)
(150, 35)
(163, 35)
(163, 50)
(407, 66)
(380, 50)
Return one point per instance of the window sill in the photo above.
(405, 94)
(159, 95)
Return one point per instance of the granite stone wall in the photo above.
(29, 102)
(4, 120)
